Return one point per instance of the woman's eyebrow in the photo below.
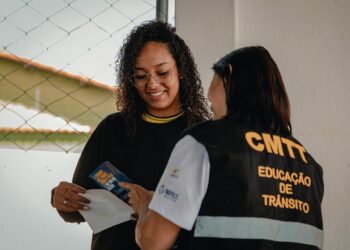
(159, 64)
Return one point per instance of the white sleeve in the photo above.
(184, 183)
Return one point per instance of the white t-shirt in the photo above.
(184, 183)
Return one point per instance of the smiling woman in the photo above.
(160, 95)
(154, 82)
(150, 51)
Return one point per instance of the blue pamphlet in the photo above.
(108, 176)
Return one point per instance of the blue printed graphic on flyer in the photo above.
(108, 176)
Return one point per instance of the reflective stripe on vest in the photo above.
(258, 228)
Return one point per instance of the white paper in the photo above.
(106, 210)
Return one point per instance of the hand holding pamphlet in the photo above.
(107, 207)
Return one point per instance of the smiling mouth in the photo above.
(155, 94)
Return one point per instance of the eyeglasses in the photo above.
(141, 79)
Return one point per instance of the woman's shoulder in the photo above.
(206, 126)
(117, 116)
(197, 126)
(115, 121)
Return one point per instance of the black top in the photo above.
(143, 161)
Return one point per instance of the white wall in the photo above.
(310, 41)
(199, 23)
(27, 220)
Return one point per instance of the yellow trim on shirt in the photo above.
(153, 119)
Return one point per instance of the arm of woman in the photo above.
(149, 222)
(152, 224)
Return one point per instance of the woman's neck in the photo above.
(164, 113)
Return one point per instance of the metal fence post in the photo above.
(162, 10)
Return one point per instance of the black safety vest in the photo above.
(264, 190)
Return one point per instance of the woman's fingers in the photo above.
(126, 185)
(71, 193)
(130, 187)
(67, 199)
(66, 205)
(71, 187)
(139, 197)
(77, 198)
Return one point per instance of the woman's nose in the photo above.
(152, 82)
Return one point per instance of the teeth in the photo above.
(156, 93)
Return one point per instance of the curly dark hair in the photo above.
(193, 103)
